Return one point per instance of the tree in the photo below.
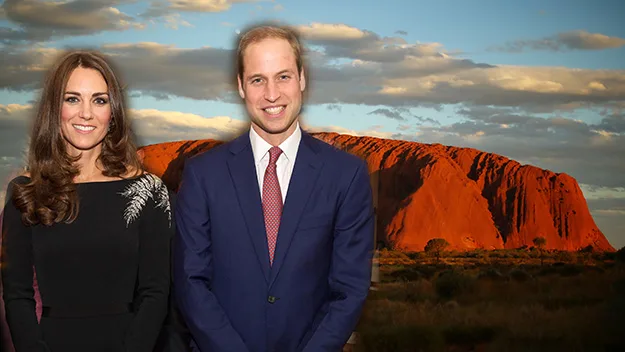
(540, 243)
(436, 246)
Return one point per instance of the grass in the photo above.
(495, 302)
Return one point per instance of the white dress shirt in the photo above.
(285, 163)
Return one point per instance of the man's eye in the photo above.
(285, 77)
(256, 81)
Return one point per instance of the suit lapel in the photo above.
(243, 172)
(308, 163)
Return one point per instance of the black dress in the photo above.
(103, 279)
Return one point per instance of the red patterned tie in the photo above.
(272, 201)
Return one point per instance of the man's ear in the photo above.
(302, 80)
(241, 91)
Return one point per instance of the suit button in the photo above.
(271, 299)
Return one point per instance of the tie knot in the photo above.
(274, 154)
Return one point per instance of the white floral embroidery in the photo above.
(142, 189)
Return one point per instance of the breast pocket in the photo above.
(315, 221)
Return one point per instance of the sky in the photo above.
(540, 82)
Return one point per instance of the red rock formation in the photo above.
(471, 198)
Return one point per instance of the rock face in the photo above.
(471, 198)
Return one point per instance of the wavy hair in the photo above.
(50, 197)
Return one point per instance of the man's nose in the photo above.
(272, 91)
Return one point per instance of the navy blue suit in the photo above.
(311, 298)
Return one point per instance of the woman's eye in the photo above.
(71, 99)
(101, 101)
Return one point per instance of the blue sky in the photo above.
(541, 82)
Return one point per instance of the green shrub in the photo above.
(429, 271)
(519, 275)
(436, 246)
(520, 254)
(619, 287)
(620, 255)
(564, 256)
(452, 283)
(595, 269)
(400, 339)
(408, 274)
(492, 274)
(416, 255)
(469, 335)
(570, 270)
(548, 270)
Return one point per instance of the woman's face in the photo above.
(86, 111)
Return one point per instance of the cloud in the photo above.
(612, 123)
(23, 69)
(174, 21)
(573, 40)
(395, 114)
(438, 80)
(40, 20)
(323, 31)
(14, 124)
(348, 66)
(343, 41)
(595, 192)
(161, 70)
(150, 68)
(400, 32)
(155, 126)
(609, 213)
(557, 143)
(159, 8)
(335, 107)
(402, 114)
(204, 5)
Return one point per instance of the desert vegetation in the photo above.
(528, 299)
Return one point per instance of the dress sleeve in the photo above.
(17, 279)
(152, 291)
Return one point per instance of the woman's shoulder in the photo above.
(20, 179)
(134, 175)
(149, 191)
(147, 181)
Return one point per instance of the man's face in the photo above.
(272, 88)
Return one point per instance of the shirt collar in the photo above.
(260, 147)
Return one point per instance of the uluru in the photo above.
(471, 198)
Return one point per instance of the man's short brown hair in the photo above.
(259, 33)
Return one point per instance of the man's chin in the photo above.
(273, 130)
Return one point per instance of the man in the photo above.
(275, 228)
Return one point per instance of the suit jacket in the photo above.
(311, 298)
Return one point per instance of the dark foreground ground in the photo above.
(507, 300)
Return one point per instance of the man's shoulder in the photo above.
(215, 155)
(334, 155)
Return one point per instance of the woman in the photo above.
(87, 220)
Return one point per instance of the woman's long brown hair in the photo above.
(50, 197)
